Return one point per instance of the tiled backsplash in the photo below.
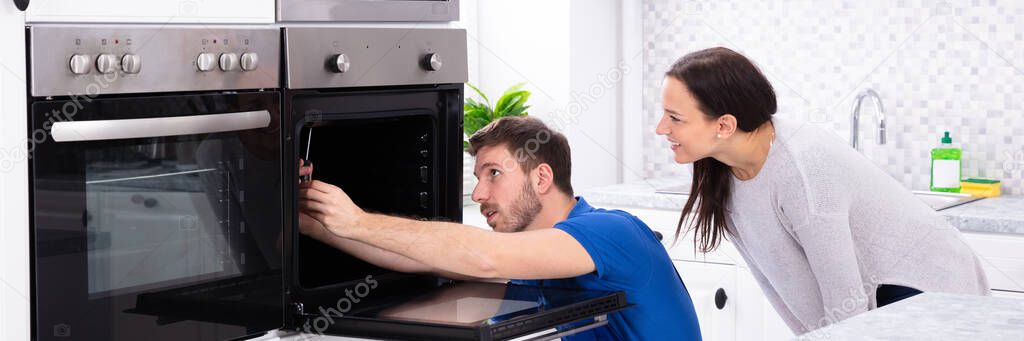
(956, 66)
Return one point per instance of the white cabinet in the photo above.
(1001, 257)
(15, 310)
(712, 288)
(757, 319)
(152, 11)
(718, 278)
(729, 303)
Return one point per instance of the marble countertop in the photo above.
(1004, 214)
(933, 316)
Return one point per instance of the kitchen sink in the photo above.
(943, 200)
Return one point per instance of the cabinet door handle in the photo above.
(21, 4)
(720, 298)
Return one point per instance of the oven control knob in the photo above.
(432, 62)
(80, 64)
(249, 61)
(228, 61)
(131, 63)
(107, 63)
(339, 63)
(206, 60)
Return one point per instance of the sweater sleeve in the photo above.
(818, 210)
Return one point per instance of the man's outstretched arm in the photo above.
(450, 247)
(369, 253)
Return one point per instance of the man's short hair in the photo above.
(531, 143)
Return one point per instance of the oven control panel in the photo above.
(67, 60)
(336, 57)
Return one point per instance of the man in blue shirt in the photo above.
(546, 236)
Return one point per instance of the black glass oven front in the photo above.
(156, 237)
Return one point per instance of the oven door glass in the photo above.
(158, 217)
(386, 164)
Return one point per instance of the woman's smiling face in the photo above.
(688, 129)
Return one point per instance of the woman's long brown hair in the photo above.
(723, 82)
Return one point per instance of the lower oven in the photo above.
(393, 150)
(378, 112)
(155, 181)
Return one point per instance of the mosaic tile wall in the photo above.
(938, 66)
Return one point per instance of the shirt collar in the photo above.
(581, 207)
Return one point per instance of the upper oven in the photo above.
(155, 180)
(367, 10)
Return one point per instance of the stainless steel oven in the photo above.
(155, 181)
(367, 10)
(378, 111)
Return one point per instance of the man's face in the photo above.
(507, 198)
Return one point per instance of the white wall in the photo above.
(590, 119)
(14, 279)
(568, 53)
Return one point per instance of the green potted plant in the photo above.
(479, 113)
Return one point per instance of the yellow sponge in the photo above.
(980, 187)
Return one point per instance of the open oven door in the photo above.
(399, 151)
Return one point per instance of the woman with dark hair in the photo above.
(826, 233)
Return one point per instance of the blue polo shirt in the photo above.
(628, 258)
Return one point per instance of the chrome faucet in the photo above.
(855, 117)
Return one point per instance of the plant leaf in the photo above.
(475, 116)
(481, 93)
(518, 111)
(509, 93)
(511, 100)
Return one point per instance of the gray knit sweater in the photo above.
(821, 226)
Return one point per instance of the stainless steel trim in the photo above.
(72, 131)
(376, 56)
(368, 10)
(598, 321)
(943, 200)
(170, 54)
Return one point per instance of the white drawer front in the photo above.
(705, 281)
(1002, 257)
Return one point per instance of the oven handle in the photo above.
(71, 131)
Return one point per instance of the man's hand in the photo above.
(330, 206)
(310, 227)
(305, 171)
(307, 225)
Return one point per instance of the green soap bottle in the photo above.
(946, 166)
